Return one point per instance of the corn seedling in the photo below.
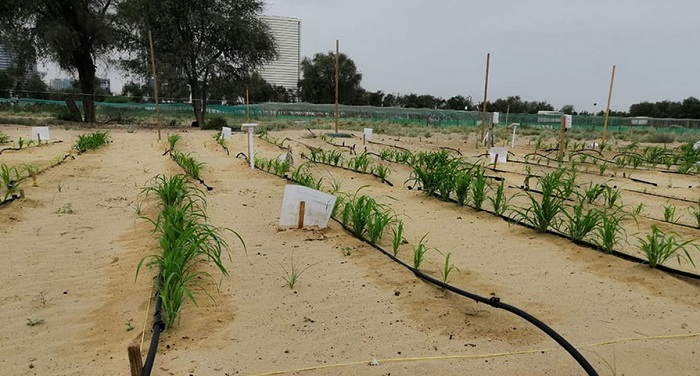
(609, 231)
(447, 269)
(365, 216)
(359, 163)
(695, 212)
(542, 214)
(172, 142)
(191, 167)
(670, 213)
(580, 222)
(32, 170)
(499, 200)
(4, 139)
(592, 192)
(478, 188)
(419, 253)
(22, 143)
(90, 141)
(659, 247)
(9, 181)
(302, 175)
(638, 209)
(612, 197)
(602, 168)
(381, 171)
(65, 209)
(291, 275)
(462, 186)
(397, 238)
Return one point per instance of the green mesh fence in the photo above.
(396, 115)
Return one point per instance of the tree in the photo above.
(460, 103)
(196, 39)
(318, 84)
(70, 32)
(568, 110)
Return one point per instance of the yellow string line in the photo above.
(477, 356)
(145, 319)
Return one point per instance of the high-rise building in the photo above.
(285, 70)
(6, 59)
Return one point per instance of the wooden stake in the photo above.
(247, 105)
(486, 90)
(155, 82)
(364, 138)
(135, 360)
(607, 108)
(302, 207)
(337, 78)
(562, 139)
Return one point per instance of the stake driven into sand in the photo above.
(250, 128)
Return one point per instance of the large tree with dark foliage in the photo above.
(689, 108)
(318, 84)
(72, 33)
(196, 39)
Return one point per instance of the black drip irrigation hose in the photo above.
(391, 146)
(158, 327)
(209, 188)
(659, 195)
(493, 301)
(9, 200)
(584, 243)
(28, 147)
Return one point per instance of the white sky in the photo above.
(561, 51)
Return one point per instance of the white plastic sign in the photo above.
(495, 118)
(40, 134)
(501, 152)
(318, 206)
(568, 121)
(368, 133)
(226, 133)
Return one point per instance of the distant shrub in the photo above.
(660, 138)
(215, 122)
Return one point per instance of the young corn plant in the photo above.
(670, 213)
(499, 200)
(419, 253)
(478, 187)
(303, 176)
(397, 237)
(172, 141)
(4, 139)
(695, 213)
(447, 269)
(191, 166)
(610, 230)
(9, 181)
(90, 141)
(659, 247)
(580, 222)
(542, 214)
(592, 192)
(291, 275)
(381, 171)
(612, 197)
(462, 186)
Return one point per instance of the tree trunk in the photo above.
(197, 104)
(86, 77)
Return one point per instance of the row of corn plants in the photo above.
(359, 163)
(90, 141)
(188, 244)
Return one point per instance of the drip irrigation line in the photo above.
(391, 146)
(643, 181)
(209, 188)
(660, 195)
(491, 301)
(29, 147)
(158, 327)
(452, 149)
(9, 200)
(351, 148)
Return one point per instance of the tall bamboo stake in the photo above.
(155, 82)
(337, 78)
(486, 90)
(607, 108)
(247, 105)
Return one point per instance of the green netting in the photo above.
(398, 115)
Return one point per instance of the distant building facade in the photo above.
(60, 84)
(6, 59)
(286, 70)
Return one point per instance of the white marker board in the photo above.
(317, 208)
(502, 153)
(368, 133)
(495, 117)
(40, 134)
(568, 121)
(226, 133)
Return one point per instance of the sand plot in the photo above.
(352, 305)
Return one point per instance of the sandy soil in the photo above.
(69, 253)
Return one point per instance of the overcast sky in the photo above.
(561, 51)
